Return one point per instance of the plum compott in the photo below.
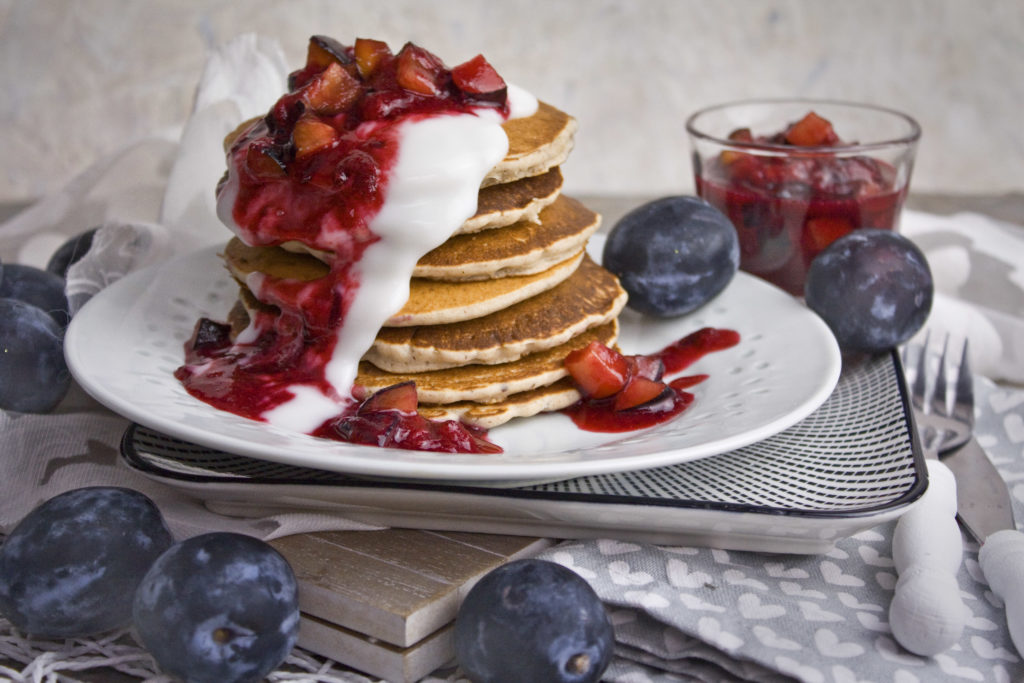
(787, 208)
(626, 392)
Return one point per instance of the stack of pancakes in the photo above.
(493, 311)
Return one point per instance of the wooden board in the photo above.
(383, 601)
(375, 657)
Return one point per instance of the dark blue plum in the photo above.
(70, 252)
(218, 608)
(71, 566)
(33, 374)
(672, 255)
(533, 620)
(38, 287)
(872, 287)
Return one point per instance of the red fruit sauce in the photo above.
(788, 208)
(599, 415)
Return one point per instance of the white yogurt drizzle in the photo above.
(432, 190)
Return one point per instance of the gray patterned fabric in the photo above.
(713, 615)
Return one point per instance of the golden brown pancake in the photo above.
(241, 259)
(487, 383)
(435, 302)
(431, 302)
(519, 200)
(520, 249)
(557, 396)
(589, 297)
(535, 144)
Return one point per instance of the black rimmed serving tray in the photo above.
(851, 464)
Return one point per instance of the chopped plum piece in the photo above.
(638, 391)
(741, 135)
(598, 371)
(811, 131)
(265, 161)
(332, 91)
(479, 79)
(399, 397)
(369, 54)
(283, 116)
(311, 135)
(824, 230)
(649, 367)
(210, 335)
(324, 51)
(420, 71)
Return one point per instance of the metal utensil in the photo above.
(927, 614)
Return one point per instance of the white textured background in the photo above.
(80, 77)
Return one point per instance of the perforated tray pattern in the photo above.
(855, 454)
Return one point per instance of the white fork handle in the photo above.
(1002, 562)
(927, 613)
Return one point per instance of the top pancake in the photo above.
(535, 144)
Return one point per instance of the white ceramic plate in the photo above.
(125, 344)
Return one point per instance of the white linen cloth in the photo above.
(154, 200)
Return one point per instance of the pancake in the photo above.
(241, 260)
(536, 144)
(591, 296)
(435, 302)
(557, 396)
(487, 383)
(519, 200)
(431, 302)
(520, 249)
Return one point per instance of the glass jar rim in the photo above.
(910, 138)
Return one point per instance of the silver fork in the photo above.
(940, 427)
(927, 614)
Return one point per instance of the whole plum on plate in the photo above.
(219, 608)
(71, 566)
(533, 620)
(33, 374)
(672, 255)
(872, 287)
(37, 287)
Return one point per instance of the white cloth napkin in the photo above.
(154, 199)
(978, 267)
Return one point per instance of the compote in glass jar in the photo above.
(795, 175)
